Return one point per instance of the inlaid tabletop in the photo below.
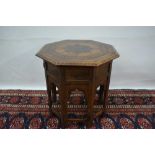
(78, 53)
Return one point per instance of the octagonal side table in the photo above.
(77, 67)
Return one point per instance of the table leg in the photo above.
(48, 85)
(49, 96)
(54, 93)
(63, 96)
(107, 86)
(90, 103)
(101, 90)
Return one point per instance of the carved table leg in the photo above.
(90, 104)
(54, 98)
(48, 85)
(49, 96)
(107, 86)
(63, 101)
(101, 90)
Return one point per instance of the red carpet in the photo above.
(125, 109)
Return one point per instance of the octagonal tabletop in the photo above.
(78, 53)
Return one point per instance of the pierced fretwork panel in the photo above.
(99, 94)
(77, 97)
(54, 93)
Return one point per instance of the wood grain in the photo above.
(81, 65)
(78, 53)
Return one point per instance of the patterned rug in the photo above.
(126, 109)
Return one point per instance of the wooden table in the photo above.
(77, 67)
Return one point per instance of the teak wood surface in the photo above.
(78, 53)
(77, 65)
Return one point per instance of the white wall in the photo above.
(21, 69)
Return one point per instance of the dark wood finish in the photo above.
(85, 72)
(78, 53)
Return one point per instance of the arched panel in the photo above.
(54, 93)
(100, 94)
(77, 97)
